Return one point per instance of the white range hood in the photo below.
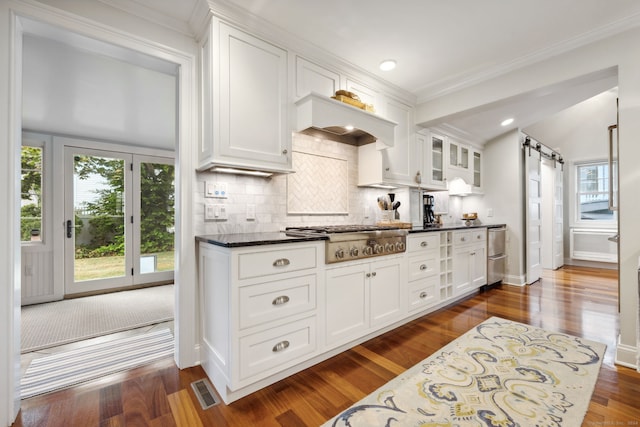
(327, 118)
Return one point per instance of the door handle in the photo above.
(69, 228)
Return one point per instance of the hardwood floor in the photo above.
(576, 301)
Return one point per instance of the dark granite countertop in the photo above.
(452, 227)
(236, 240)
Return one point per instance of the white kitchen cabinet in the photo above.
(469, 260)
(362, 297)
(424, 269)
(476, 162)
(459, 164)
(245, 102)
(431, 150)
(259, 311)
(311, 77)
(397, 165)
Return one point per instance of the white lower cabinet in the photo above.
(363, 296)
(424, 270)
(257, 325)
(469, 260)
(268, 311)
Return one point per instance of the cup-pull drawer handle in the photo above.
(423, 267)
(282, 345)
(281, 262)
(282, 299)
(423, 295)
(424, 244)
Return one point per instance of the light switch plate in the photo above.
(216, 190)
(215, 212)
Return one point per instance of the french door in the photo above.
(119, 216)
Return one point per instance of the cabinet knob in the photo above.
(423, 295)
(387, 169)
(424, 244)
(368, 275)
(281, 262)
(472, 253)
(282, 299)
(282, 345)
(423, 267)
(285, 151)
(373, 274)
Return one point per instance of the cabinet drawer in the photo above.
(472, 236)
(479, 235)
(421, 266)
(263, 263)
(461, 238)
(265, 302)
(423, 294)
(276, 347)
(425, 242)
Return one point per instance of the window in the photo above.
(31, 194)
(593, 192)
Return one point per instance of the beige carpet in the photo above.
(62, 322)
(500, 373)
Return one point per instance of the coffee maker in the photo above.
(428, 217)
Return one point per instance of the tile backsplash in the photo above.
(269, 196)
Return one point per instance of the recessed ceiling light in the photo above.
(388, 65)
(349, 127)
(507, 122)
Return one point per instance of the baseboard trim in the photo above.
(626, 355)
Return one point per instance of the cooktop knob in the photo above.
(354, 252)
(340, 253)
(400, 246)
(367, 250)
(388, 247)
(378, 249)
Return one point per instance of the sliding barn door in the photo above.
(533, 214)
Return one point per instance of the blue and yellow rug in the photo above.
(500, 373)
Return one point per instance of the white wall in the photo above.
(74, 92)
(503, 194)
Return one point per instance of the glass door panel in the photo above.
(99, 217)
(156, 217)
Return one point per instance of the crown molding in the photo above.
(152, 15)
(461, 81)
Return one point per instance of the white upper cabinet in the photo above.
(311, 77)
(400, 163)
(434, 160)
(397, 165)
(245, 102)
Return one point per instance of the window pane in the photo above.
(31, 195)
(593, 192)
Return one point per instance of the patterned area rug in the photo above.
(500, 373)
(62, 322)
(61, 370)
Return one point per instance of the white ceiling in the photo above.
(439, 45)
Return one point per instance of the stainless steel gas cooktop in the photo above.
(352, 242)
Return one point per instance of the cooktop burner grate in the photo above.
(341, 228)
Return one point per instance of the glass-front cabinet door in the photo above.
(436, 175)
(477, 169)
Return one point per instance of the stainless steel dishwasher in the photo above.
(496, 255)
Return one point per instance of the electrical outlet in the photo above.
(489, 213)
(251, 212)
